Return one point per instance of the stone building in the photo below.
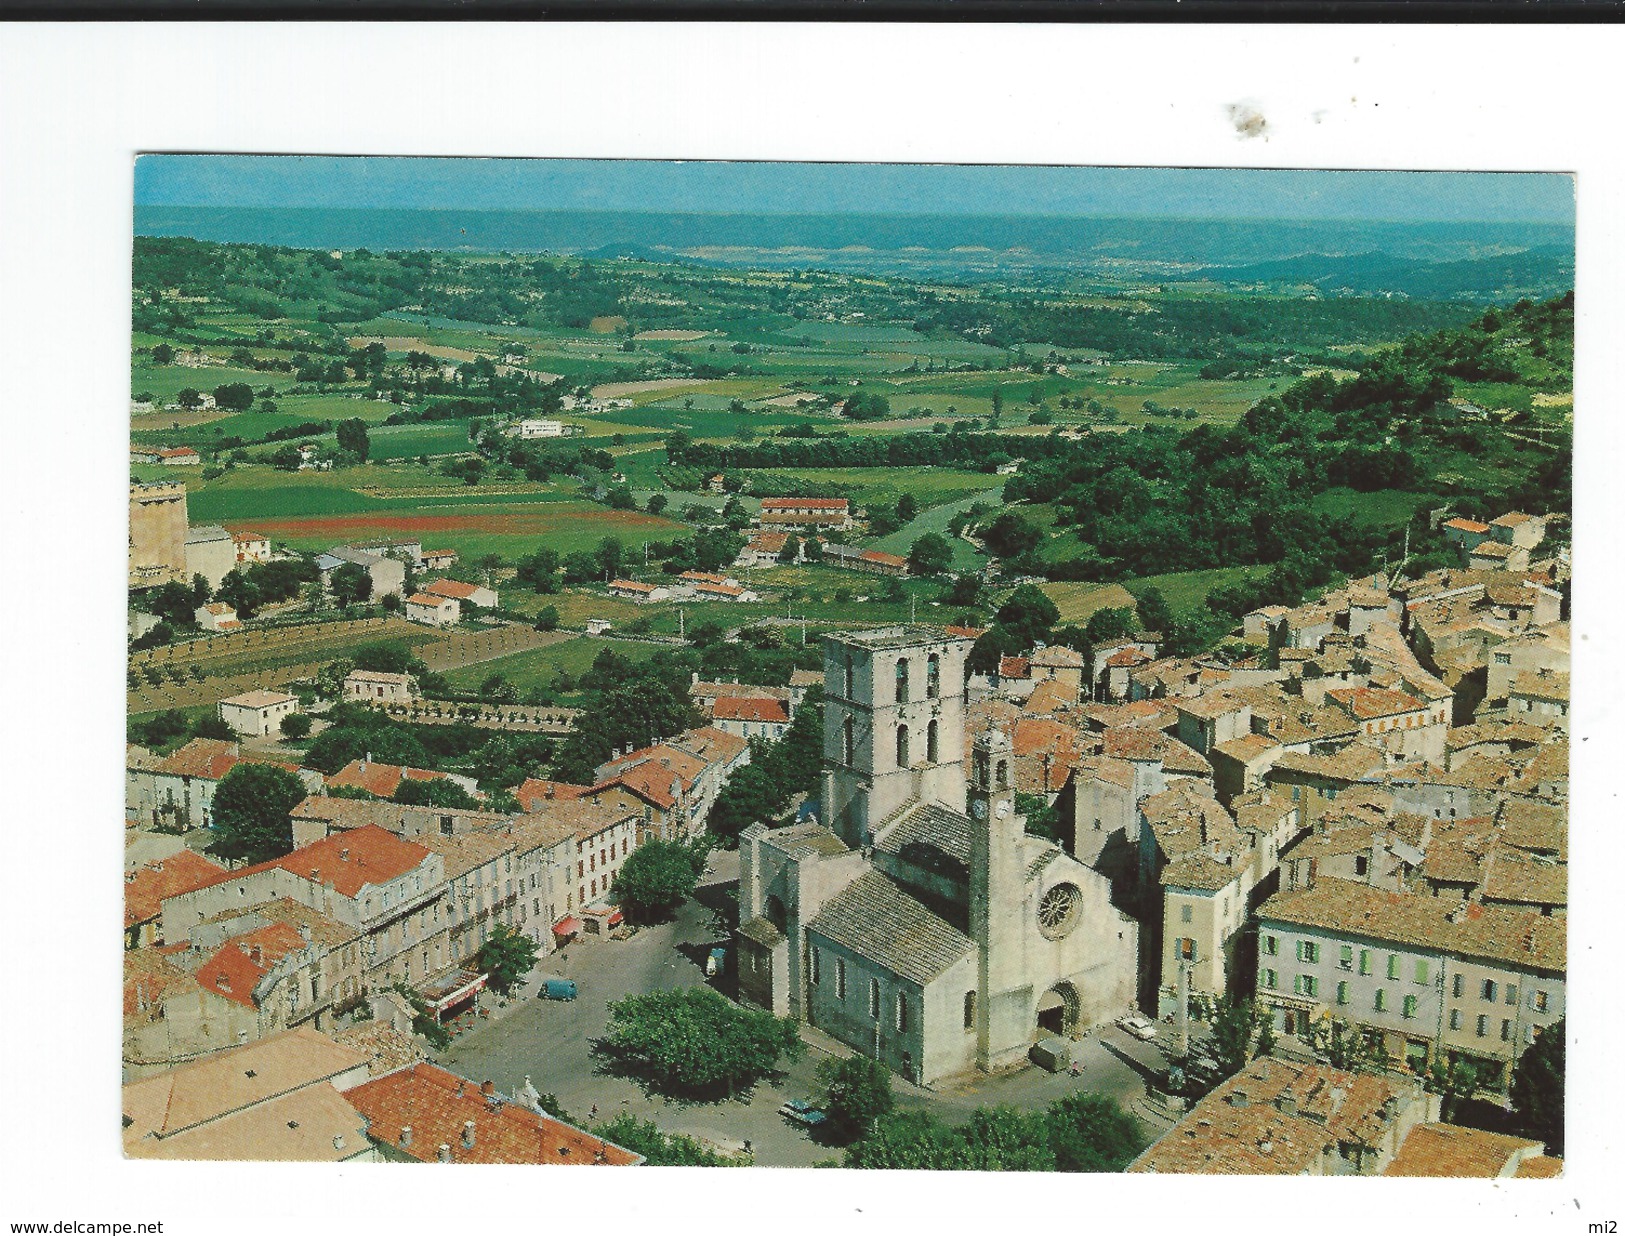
(157, 534)
(923, 926)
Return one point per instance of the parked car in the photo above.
(803, 1113)
(557, 989)
(1138, 1026)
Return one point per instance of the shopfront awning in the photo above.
(567, 927)
(449, 992)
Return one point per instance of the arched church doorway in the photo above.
(1058, 1010)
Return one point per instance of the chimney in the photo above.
(1236, 1098)
(344, 855)
(254, 954)
(444, 1153)
(468, 1135)
(488, 1088)
(338, 1141)
(406, 1136)
(1286, 1104)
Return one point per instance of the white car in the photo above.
(1138, 1026)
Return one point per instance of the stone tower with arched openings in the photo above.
(998, 896)
(894, 726)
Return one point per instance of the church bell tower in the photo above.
(997, 902)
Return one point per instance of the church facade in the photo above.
(917, 921)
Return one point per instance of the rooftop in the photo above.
(1494, 933)
(1451, 1150)
(146, 888)
(261, 699)
(903, 635)
(348, 861)
(877, 920)
(738, 708)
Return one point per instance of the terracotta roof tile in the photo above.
(146, 888)
(1451, 1150)
(737, 708)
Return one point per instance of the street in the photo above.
(549, 1041)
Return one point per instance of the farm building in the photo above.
(432, 611)
(178, 456)
(216, 616)
(763, 550)
(632, 590)
(210, 552)
(257, 714)
(724, 592)
(870, 560)
(438, 559)
(375, 686)
(815, 513)
(541, 429)
(252, 546)
(466, 594)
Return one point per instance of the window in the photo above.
(1308, 951)
(1457, 985)
(933, 676)
(1297, 792)
(1345, 956)
(1381, 1002)
(1483, 1025)
(1185, 948)
(1185, 913)
(1455, 1019)
(1393, 965)
(1365, 961)
(1506, 1030)
(1306, 985)
(840, 978)
(902, 746)
(902, 1012)
(902, 680)
(1540, 1002)
(815, 967)
(848, 676)
(848, 743)
(874, 997)
(970, 1010)
(1487, 991)
(1362, 864)
(1269, 979)
(1342, 993)
(1271, 946)
(1503, 658)
(1421, 971)
(1512, 994)
(1409, 1009)
(931, 756)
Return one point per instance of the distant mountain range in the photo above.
(1430, 260)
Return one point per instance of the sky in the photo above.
(820, 188)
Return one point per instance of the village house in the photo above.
(1498, 556)
(1541, 648)
(480, 891)
(146, 887)
(1454, 1152)
(438, 559)
(1396, 721)
(432, 611)
(1519, 530)
(178, 456)
(763, 550)
(724, 592)
(210, 552)
(384, 780)
(1282, 1118)
(1429, 978)
(696, 578)
(386, 570)
(528, 429)
(251, 546)
(1059, 664)
(216, 616)
(1465, 534)
(377, 687)
(751, 718)
(258, 714)
(464, 594)
(663, 781)
(601, 833)
(424, 1114)
(1541, 697)
(177, 792)
(633, 590)
(391, 891)
(277, 1099)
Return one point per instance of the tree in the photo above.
(210, 725)
(173, 603)
(1089, 1132)
(751, 796)
(384, 658)
(857, 1092)
(350, 583)
(908, 507)
(352, 435)
(1010, 536)
(656, 503)
(251, 808)
(1028, 616)
(1108, 624)
(1344, 1046)
(239, 591)
(296, 725)
(1234, 1030)
(162, 354)
(1154, 612)
(234, 396)
(658, 1149)
(930, 555)
(438, 792)
(656, 878)
(691, 1043)
(547, 618)
(506, 956)
(1538, 1089)
(189, 398)
(538, 570)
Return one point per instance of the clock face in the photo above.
(979, 809)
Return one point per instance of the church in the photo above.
(916, 920)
